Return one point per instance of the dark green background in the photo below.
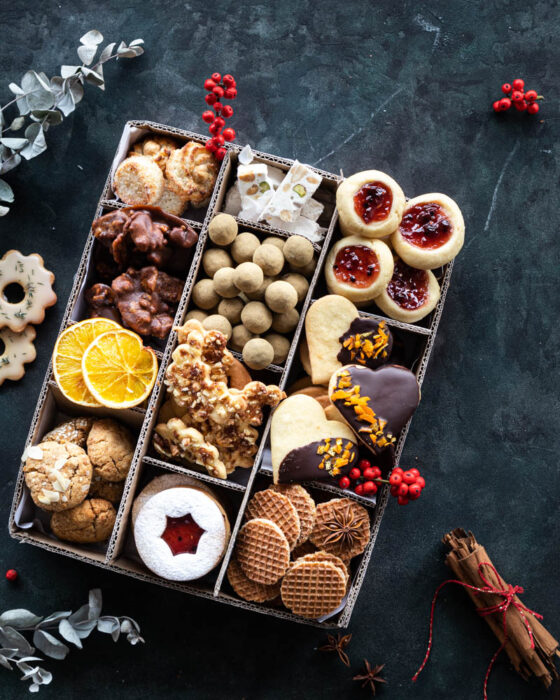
(403, 87)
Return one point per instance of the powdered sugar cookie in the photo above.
(18, 350)
(29, 273)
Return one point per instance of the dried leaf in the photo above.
(13, 87)
(7, 195)
(108, 625)
(68, 633)
(95, 604)
(49, 645)
(17, 123)
(14, 640)
(136, 42)
(107, 52)
(55, 617)
(51, 117)
(10, 163)
(4, 210)
(87, 53)
(37, 143)
(67, 71)
(92, 38)
(92, 76)
(4, 662)
(14, 143)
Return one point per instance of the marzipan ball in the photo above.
(259, 294)
(231, 309)
(280, 345)
(239, 336)
(248, 277)
(298, 251)
(299, 283)
(244, 246)
(215, 322)
(197, 315)
(269, 258)
(274, 240)
(222, 229)
(285, 323)
(223, 283)
(258, 353)
(307, 270)
(214, 259)
(280, 296)
(203, 294)
(256, 317)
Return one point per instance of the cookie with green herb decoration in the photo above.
(18, 350)
(29, 273)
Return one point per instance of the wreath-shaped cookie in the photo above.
(18, 350)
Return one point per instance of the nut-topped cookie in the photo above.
(57, 475)
(110, 449)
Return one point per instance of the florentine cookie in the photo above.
(29, 273)
(304, 505)
(138, 180)
(341, 527)
(91, 521)
(18, 351)
(58, 476)
(247, 589)
(262, 551)
(110, 449)
(313, 588)
(75, 430)
(108, 490)
(272, 505)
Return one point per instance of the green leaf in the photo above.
(7, 195)
(18, 617)
(92, 38)
(50, 645)
(51, 116)
(13, 143)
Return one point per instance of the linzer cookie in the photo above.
(262, 551)
(313, 588)
(272, 505)
(376, 404)
(305, 445)
(248, 589)
(341, 528)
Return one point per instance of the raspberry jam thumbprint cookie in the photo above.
(410, 295)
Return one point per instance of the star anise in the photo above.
(370, 676)
(345, 526)
(338, 644)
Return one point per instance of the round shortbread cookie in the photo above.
(138, 180)
(313, 588)
(272, 505)
(304, 505)
(247, 589)
(262, 551)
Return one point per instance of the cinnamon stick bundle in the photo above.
(464, 559)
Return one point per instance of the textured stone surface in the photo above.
(407, 88)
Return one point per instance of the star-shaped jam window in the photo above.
(182, 535)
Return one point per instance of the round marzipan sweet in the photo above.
(363, 268)
(160, 513)
(410, 295)
(431, 232)
(370, 204)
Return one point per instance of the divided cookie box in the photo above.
(119, 554)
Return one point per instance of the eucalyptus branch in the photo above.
(17, 653)
(45, 102)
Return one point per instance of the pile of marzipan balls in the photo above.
(253, 290)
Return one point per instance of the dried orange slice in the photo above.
(118, 370)
(67, 358)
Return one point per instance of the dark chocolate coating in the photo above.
(394, 395)
(364, 325)
(302, 464)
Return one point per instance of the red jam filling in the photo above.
(356, 265)
(373, 202)
(182, 535)
(408, 287)
(426, 226)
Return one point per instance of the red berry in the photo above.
(219, 140)
(220, 121)
(516, 96)
(355, 473)
(394, 490)
(505, 103)
(403, 500)
(359, 489)
(230, 93)
(370, 487)
(414, 471)
(520, 106)
(403, 490)
(344, 482)
(208, 116)
(229, 134)
(214, 128)
(209, 84)
(420, 481)
(220, 153)
(518, 84)
(218, 91)
(398, 470)
(369, 473)
(216, 77)
(11, 575)
(227, 111)
(532, 108)
(228, 79)
(496, 106)
(210, 99)
(218, 106)
(506, 87)
(531, 95)
(414, 492)
(409, 478)
(364, 464)
(377, 472)
(210, 146)
(395, 479)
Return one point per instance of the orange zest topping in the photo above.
(362, 348)
(335, 456)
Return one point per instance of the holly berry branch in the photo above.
(405, 485)
(219, 89)
(522, 101)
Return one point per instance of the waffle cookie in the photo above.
(250, 590)
(325, 556)
(304, 505)
(313, 588)
(341, 527)
(262, 551)
(272, 505)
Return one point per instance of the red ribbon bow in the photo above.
(507, 593)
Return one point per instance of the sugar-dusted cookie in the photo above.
(358, 268)
(75, 430)
(305, 445)
(57, 475)
(18, 350)
(27, 271)
(370, 204)
(89, 522)
(410, 295)
(110, 448)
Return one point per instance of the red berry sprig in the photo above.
(405, 485)
(219, 88)
(522, 101)
(11, 575)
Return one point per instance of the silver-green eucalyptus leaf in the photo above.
(136, 42)
(92, 76)
(4, 210)
(67, 71)
(10, 637)
(95, 602)
(17, 123)
(107, 51)
(7, 195)
(37, 143)
(87, 53)
(55, 617)
(92, 38)
(66, 104)
(14, 143)
(68, 633)
(50, 645)
(9, 163)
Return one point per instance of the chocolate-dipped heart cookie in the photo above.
(305, 445)
(376, 404)
(367, 342)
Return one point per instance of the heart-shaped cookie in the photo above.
(376, 404)
(305, 445)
